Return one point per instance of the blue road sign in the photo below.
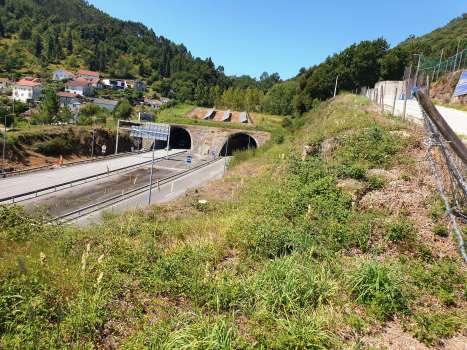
(188, 159)
(213, 153)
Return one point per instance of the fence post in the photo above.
(428, 86)
(405, 101)
(394, 102)
(456, 144)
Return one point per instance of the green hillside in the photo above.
(446, 37)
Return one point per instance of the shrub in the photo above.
(378, 286)
(286, 122)
(399, 231)
(377, 180)
(440, 230)
(54, 147)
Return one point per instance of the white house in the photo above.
(27, 88)
(108, 104)
(88, 74)
(164, 100)
(4, 82)
(63, 74)
(83, 88)
(95, 82)
(111, 83)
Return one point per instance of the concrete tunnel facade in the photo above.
(203, 139)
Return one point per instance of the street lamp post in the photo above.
(4, 144)
(93, 132)
(152, 169)
(335, 87)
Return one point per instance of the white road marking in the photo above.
(18, 182)
(211, 172)
(169, 194)
(195, 181)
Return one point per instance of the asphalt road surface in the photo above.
(35, 181)
(457, 120)
(180, 185)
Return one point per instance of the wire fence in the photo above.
(451, 176)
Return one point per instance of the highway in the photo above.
(457, 120)
(195, 179)
(16, 185)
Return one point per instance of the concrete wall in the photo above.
(389, 87)
(207, 139)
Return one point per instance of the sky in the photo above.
(255, 36)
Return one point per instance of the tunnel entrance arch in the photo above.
(180, 138)
(238, 142)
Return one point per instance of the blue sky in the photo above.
(250, 37)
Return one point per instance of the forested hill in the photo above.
(40, 36)
(446, 37)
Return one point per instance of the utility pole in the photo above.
(152, 169)
(335, 87)
(93, 132)
(440, 59)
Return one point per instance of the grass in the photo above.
(281, 257)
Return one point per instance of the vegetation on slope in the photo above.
(294, 249)
(446, 37)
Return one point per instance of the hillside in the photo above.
(446, 37)
(338, 244)
(40, 36)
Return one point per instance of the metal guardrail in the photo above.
(18, 172)
(103, 158)
(64, 185)
(111, 201)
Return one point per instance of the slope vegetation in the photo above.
(338, 243)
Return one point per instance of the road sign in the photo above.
(213, 153)
(104, 147)
(188, 159)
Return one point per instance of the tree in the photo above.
(2, 28)
(65, 115)
(9, 120)
(141, 69)
(123, 111)
(50, 48)
(38, 46)
(167, 67)
(89, 110)
(50, 106)
(69, 44)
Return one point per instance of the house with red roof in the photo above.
(4, 82)
(27, 115)
(27, 88)
(63, 74)
(88, 74)
(83, 88)
(67, 98)
(95, 82)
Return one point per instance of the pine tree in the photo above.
(141, 69)
(2, 29)
(38, 46)
(167, 67)
(163, 65)
(50, 48)
(69, 44)
(199, 92)
(101, 62)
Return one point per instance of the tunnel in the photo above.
(179, 138)
(238, 142)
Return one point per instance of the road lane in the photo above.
(35, 181)
(457, 120)
(201, 176)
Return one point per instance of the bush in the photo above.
(54, 147)
(378, 286)
(286, 122)
(279, 139)
(440, 230)
(399, 231)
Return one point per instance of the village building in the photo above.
(139, 86)
(63, 74)
(95, 82)
(111, 83)
(108, 104)
(4, 82)
(67, 98)
(88, 74)
(83, 88)
(27, 88)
